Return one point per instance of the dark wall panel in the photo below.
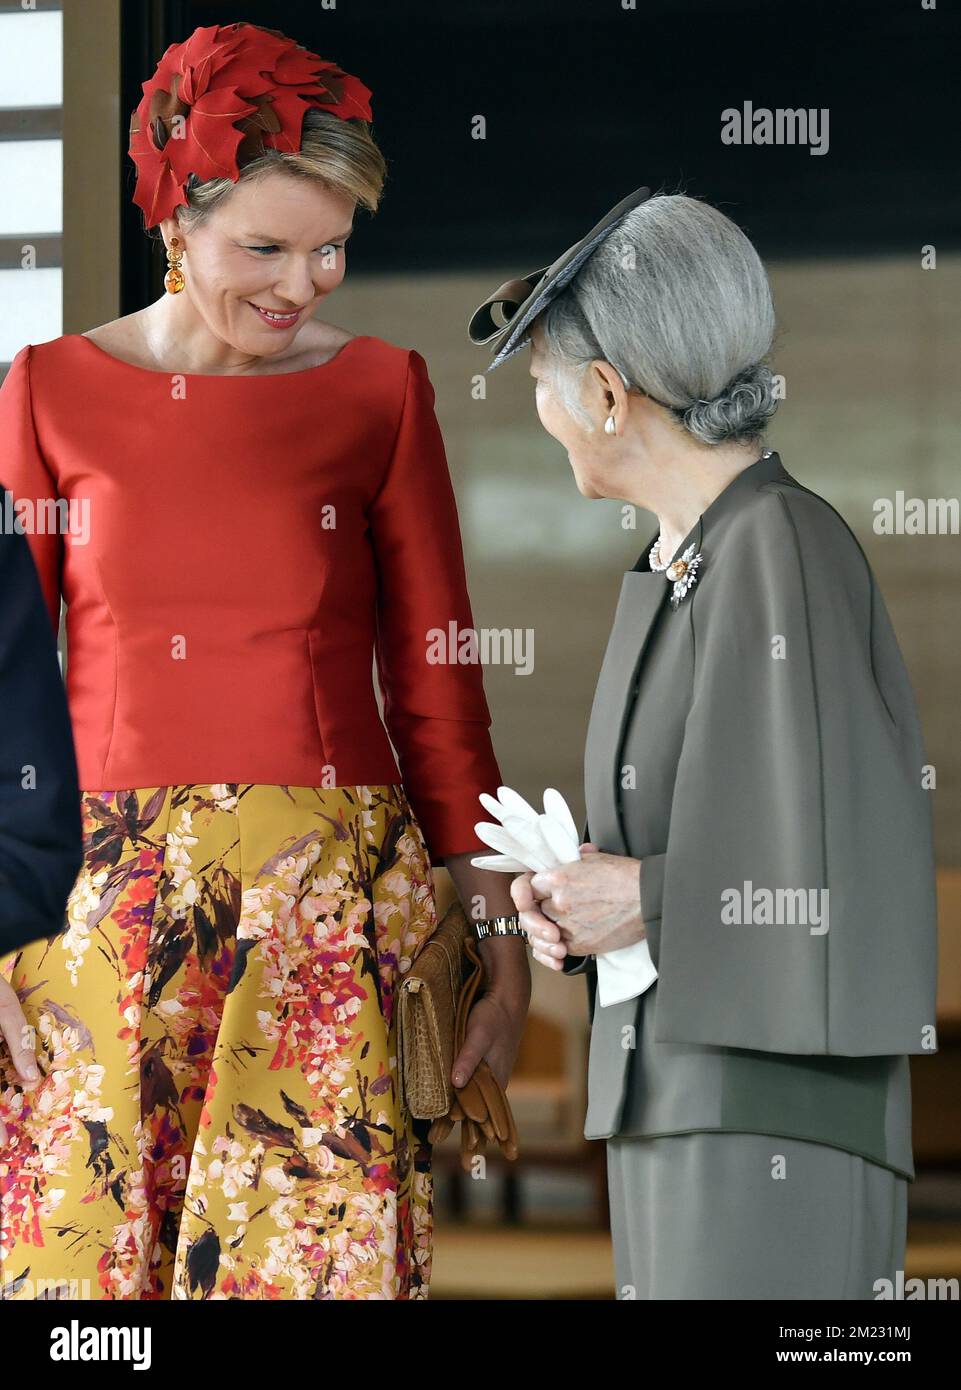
(585, 100)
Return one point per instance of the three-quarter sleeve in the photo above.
(40, 823)
(435, 709)
(26, 476)
(652, 891)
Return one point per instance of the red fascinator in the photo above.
(220, 99)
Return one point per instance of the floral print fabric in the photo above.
(219, 1114)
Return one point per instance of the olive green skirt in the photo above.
(716, 1215)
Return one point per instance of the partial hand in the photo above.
(17, 1035)
(586, 908)
(495, 1027)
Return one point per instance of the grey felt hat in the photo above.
(521, 300)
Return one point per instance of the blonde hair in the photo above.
(341, 155)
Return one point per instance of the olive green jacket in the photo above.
(753, 747)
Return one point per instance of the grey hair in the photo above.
(677, 300)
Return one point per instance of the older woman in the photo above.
(754, 792)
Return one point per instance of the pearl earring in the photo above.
(609, 425)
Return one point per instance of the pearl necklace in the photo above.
(654, 558)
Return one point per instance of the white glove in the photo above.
(526, 840)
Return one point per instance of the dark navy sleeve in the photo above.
(41, 838)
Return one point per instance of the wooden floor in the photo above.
(509, 1264)
(472, 1262)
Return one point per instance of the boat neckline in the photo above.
(222, 376)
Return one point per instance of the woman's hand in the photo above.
(586, 908)
(18, 1037)
(495, 1026)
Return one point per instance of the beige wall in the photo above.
(91, 189)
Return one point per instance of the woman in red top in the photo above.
(241, 505)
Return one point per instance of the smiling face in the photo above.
(275, 245)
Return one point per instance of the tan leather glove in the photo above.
(480, 1106)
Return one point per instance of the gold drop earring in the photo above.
(175, 279)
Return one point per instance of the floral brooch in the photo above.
(681, 573)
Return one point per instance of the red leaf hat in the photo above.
(222, 97)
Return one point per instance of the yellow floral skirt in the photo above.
(219, 1114)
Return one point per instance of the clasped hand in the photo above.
(586, 908)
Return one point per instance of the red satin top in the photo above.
(237, 549)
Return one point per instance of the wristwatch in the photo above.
(508, 925)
